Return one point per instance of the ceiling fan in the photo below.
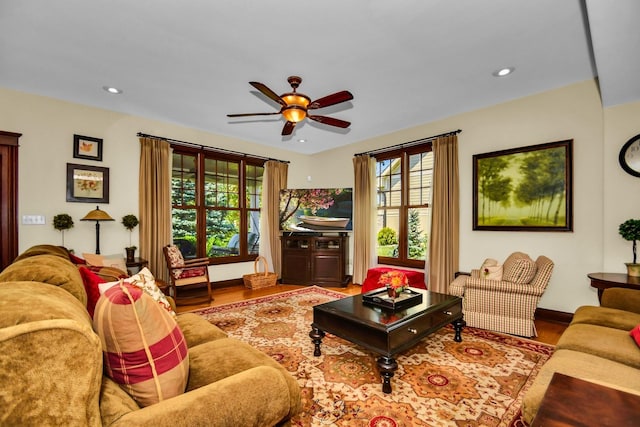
(295, 106)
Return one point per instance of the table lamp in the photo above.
(97, 215)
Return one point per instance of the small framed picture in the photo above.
(87, 184)
(86, 147)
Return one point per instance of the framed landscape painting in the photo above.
(524, 189)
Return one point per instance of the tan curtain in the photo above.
(274, 180)
(155, 203)
(445, 224)
(364, 196)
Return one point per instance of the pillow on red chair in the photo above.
(90, 280)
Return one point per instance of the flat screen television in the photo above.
(316, 210)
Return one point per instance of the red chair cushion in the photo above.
(416, 278)
(191, 272)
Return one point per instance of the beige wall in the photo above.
(604, 195)
(572, 112)
(621, 199)
(46, 146)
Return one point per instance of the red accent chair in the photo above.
(416, 278)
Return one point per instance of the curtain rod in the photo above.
(205, 147)
(410, 143)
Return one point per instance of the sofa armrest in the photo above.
(503, 287)
(256, 397)
(457, 286)
(621, 299)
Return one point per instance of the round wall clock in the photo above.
(630, 156)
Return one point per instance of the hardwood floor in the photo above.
(548, 331)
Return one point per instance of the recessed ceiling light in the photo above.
(113, 90)
(302, 140)
(503, 72)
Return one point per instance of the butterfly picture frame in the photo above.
(86, 147)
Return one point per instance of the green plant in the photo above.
(630, 230)
(387, 236)
(62, 222)
(130, 222)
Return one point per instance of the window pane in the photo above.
(183, 180)
(420, 178)
(222, 183)
(254, 186)
(184, 231)
(419, 224)
(253, 237)
(387, 232)
(223, 227)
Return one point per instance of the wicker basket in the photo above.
(260, 280)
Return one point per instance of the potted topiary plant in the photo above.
(130, 222)
(630, 230)
(62, 222)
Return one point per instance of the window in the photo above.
(404, 181)
(216, 204)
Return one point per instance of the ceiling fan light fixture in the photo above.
(294, 113)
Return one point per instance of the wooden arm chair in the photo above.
(507, 304)
(186, 276)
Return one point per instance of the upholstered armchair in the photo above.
(189, 273)
(504, 298)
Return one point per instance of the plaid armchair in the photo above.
(507, 305)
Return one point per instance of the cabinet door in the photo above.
(327, 268)
(296, 267)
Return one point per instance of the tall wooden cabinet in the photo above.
(315, 260)
(8, 197)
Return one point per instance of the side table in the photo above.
(137, 262)
(574, 402)
(603, 281)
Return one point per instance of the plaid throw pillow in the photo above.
(144, 350)
(521, 270)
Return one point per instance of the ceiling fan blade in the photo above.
(252, 114)
(268, 93)
(334, 98)
(288, 128)
(330, 121)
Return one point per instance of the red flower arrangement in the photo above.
(395, 282)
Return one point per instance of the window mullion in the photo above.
(201, 209)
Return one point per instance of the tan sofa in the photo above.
(595, 347)
(51, 363)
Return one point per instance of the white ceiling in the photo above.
(406, 62)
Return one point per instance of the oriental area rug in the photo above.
(478, 382)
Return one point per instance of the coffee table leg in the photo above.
(316, 336)
(387, 366)
(457, 326)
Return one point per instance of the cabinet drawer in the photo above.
(414, 330)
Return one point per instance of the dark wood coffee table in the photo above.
(384, 331)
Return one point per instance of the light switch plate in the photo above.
(33, 219)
